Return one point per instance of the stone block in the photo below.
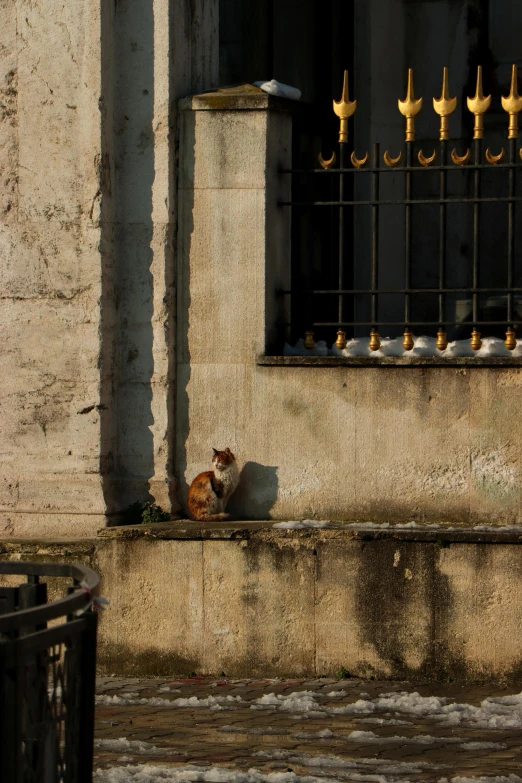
(155, 619)
(495, 437)
(224, 150)
(222, 279)
(258, 603)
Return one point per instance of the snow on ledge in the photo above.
(424, 346)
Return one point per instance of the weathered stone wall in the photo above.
(251, 600)
(425, 443)
(87, 225)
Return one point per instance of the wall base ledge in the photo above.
(266, 530)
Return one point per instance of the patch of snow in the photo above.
(123, 745)
(214, 702)
(144, 773)
(424, 346)
(242, 730)
(273, 87)
(303, 523)
(483, 746)
(503, 712)
(496, 779)
(383, 766)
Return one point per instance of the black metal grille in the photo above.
(408, 247)
(47, 677)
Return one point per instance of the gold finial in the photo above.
(510, 341)
(341, 340)
(461, 160)
(326, 164)
(442, 340)
(309, 340)
(478, 105)
(410, 107)
(407, 342)
(375, 342)
(475, 342)
(426, 161)
(444, 106)
(358, 163)
(513, 104)
(344, 109)
(494, 158)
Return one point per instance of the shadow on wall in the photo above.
(127, 448)
(256, 493)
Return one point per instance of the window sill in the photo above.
(387, 361)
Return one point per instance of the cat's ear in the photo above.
(227, 451)
(216, 451)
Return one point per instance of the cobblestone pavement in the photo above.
(326, 729)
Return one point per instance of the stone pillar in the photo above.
(233, 251)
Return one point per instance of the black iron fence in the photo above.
(380, 224)
(47, 676)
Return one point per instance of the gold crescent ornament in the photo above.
(358, 163)
(460, 160)
(392, 162)
(326, 164)
(494, 158)
(426, 161)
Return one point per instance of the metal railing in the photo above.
(355, 299)
(47, 675)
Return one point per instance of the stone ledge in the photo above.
(234, 98)
(266, 530)
(387, 361)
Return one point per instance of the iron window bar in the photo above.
(471, 162)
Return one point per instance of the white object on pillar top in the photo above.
(274, 87)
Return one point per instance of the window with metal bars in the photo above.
(410, 249)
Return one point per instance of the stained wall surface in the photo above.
(257, 601)
(430, 444)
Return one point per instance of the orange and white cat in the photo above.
(209, 492)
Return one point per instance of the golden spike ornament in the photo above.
(460, 160)
(358, 163)
(410, 107)
(494, 158)
(442, 340)
(326, 164)
(475, 342)
(407, 342)
(344, 109)
(341, 340)
(478, 105)
(426, 161)
(513, 104)
(309, 341)
(375, 340)
(444, 106)
(392, 162)
(510, 342)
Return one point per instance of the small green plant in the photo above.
(342, 673)
(222, 674)
(153, 513)
(144, 514)
(442, 544)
